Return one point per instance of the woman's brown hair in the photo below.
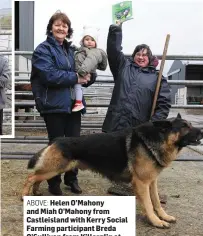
(64, 18)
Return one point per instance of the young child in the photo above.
(88, 58)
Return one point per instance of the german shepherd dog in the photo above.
(135, 155)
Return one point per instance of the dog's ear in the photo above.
(165, 124)
(179, 116)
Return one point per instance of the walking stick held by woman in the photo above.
(160, 74)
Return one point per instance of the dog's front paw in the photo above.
(161, 224)
(169, 218)
(164, 216)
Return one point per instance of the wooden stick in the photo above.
(160, 74)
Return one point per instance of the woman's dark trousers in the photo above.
(60, 125)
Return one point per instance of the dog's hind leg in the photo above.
(28, 184)
(143, 193)
(156, 203)
(35, 189)
(34, 178)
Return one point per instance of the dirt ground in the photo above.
(182, 183)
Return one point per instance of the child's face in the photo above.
(89, 42)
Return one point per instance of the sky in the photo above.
(5, 4)
(153, 20)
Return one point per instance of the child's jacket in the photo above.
(88, 60)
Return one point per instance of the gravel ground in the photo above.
(182, 183)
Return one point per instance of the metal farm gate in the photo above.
(97, 97)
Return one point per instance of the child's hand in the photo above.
(88, 76)
(83, 80)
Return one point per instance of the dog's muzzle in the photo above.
(196, 136)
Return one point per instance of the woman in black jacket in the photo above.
(135, 83)
(53, 77)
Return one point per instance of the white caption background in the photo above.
(79, 216)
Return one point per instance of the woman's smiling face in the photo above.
(141, 58)
(59, 30)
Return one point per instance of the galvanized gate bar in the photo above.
(5, 33)
(32, 104)
(174, 82)
(31, 137)
(24, 141)
(17, 153)
(168, 57)
(6, 53)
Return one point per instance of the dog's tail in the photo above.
(32, 162)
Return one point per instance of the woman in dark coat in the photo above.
(135, 83)
(53, 77)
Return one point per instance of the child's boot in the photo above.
(78, 106)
